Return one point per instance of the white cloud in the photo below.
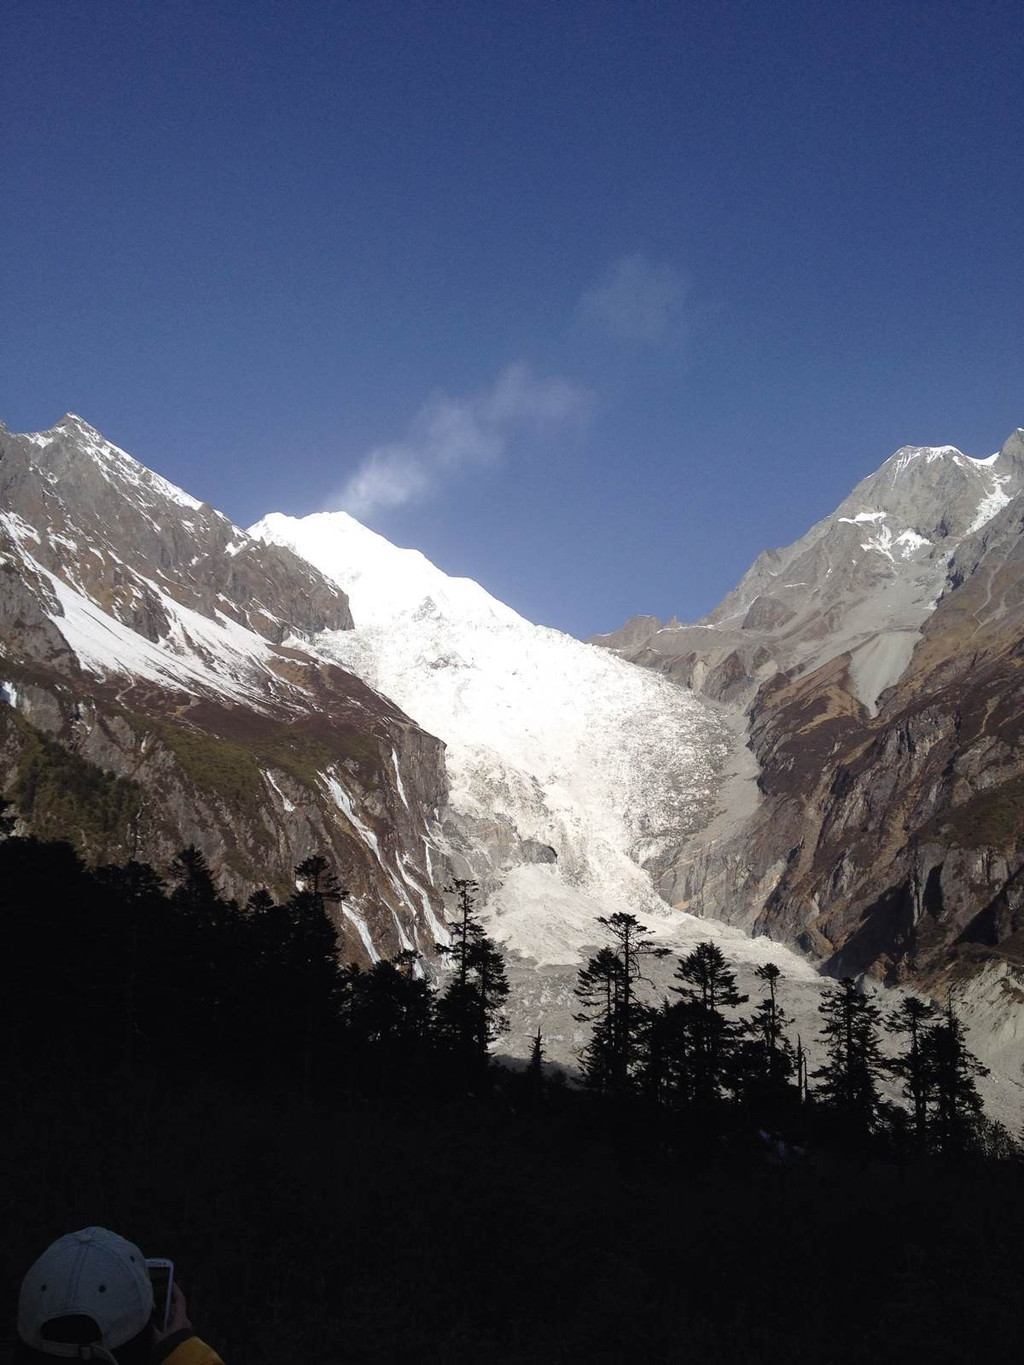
(636, 300)
(449, 434)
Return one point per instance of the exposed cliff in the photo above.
(883, 706)
(147, 699)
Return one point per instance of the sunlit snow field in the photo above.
(599, 759)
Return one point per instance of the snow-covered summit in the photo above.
(74, 436)
(552, 745)
(141, 581)
(382, 581)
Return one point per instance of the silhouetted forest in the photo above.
(341, 1172)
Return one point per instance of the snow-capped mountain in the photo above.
(875, 668)
(862, 581)
(168, 678)
(147, 699)
(568, 769)
(574, 776)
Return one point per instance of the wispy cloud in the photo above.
(450, 434)
(637, 301)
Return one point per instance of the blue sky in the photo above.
(588, 301)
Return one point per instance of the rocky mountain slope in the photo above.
(570, 771)
(148, 700)
(168, 678)
(568, 768)
(573, 776)
(874, 669)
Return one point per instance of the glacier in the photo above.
(580, 752)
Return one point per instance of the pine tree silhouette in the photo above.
(311, 987)
(607, 987)
(849, 1077)
(911, 1018)
(951, 1072)
(469, 1011)
(315, 877)
(712, 1037)
(599, 988)
(535, 1070)
(769, 1053)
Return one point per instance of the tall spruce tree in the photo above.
(470, 1009)
(769, 1053)
(607, 988)
(206, 947)
(309, 955)
(194, 892)
(911, 1019)
(951, 1072)
(598, 989)
(711, 1037)
(315, 876)
(389, 1019)
(534, 1084)
(849, 1077)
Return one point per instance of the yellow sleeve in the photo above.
(192, 1351)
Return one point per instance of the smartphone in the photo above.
(161, 1273)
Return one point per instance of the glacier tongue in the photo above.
(585, 754)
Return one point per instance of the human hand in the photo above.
(177, 1318)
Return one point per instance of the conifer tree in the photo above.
(315, 877)
(598, 988)
(911, 1019)
(769, 1023)
(260, 902)
(712, 1038)
(849, 1077)
(194, 892)
(536, 1061)
(138, 959)
(765, 1061)
(801, 1070)
(951, 1072)
(206, 951)
(470, 1007)
(390, 1010)
(607, 987)
(535, 1069)
(309, 954)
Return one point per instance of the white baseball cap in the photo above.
(92, 1273)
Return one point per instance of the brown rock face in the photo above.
(148, 697)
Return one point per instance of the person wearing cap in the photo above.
(89, 1297)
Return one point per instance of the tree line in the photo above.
(697, 1055)
(119, 970)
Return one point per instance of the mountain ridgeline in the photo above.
(156, 693)
(824, 772)
(874, 671)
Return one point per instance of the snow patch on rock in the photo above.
(993, 502)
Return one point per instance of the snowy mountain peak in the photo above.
(862, 582)
(73, 423)
(382, 581)
(73, 439)
(133, 577)
(569, 769)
